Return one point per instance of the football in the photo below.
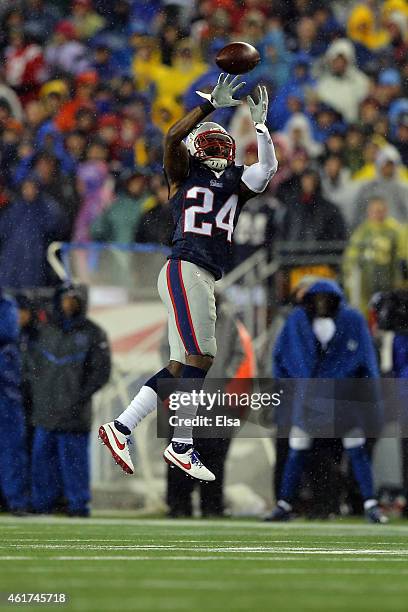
(237, 58)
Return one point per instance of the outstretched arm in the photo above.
(256, 177)
(175, 151)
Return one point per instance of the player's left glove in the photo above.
(259, 110)
(221, 96)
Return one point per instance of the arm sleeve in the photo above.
(257, 176)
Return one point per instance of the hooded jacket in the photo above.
(69, 362)
(343, 93)
(26, 230)
(350, 353)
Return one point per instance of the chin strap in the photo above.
(257, 176)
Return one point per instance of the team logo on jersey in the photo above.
(214, 183)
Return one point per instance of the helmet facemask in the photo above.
(213, 147)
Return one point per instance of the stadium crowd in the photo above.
(89, 87)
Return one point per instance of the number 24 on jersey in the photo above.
(223, 220)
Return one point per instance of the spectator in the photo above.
(85, 20)
(290, 98)
(325, 338)
(299, 135)
(397, 26)
(103, 62)
(65, 53)
(24, 66)
(337, 186)
(276, 60)
(308, 216)
(187, 66)
(353, 151)
(71, 352)
(55, 186)
(13, 459)
(342, 86)
(307, 40)
(40, 19)
(84, 98)
(96, 191)
(374, 251)
(156, 223)
(27, 226)
(362, 30)
(118, 222)
(291, 186)
(386, 184)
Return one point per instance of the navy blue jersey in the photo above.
(205, 212)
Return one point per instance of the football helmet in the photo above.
(212, 145)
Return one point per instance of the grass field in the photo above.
(153, 565)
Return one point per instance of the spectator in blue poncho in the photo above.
(290, 98)
(276, 60)
(324, 338)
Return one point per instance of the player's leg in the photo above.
(354, 445)
(115, 434)
(190, 295)
(299, 443)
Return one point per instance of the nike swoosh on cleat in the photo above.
(119, 444)
(186, 466)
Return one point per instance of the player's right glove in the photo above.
(221, 96)
(259, 110)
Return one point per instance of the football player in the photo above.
(207, 192)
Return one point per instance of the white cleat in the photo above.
(189, 462)
(117, 443)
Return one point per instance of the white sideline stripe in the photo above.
(22, 541)
(294, 550)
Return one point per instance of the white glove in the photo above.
(221, 96)
(259, 110)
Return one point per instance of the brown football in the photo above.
(237, 58)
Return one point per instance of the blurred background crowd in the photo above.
(88, 88)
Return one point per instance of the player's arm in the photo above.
(256, 177)
(175, 151)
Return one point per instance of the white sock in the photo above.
(141, 405)
(184, 433)
(183, 440)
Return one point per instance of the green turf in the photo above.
(229, 566)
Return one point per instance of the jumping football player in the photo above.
(207, 192)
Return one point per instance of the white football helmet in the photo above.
(212, 145)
